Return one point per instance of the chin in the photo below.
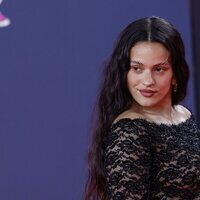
(147, 103)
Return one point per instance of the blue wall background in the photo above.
(51, 61)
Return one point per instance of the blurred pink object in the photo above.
(4, 21)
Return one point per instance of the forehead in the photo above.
(149, 52)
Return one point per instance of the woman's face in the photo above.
(150, 77)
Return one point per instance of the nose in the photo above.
(148, 79)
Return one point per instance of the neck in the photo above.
(162, 113)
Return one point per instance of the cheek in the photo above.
(132, 80)
(165, 83)
(168, 80)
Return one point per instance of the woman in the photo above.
(145, 145)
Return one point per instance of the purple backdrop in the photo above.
(51, 60)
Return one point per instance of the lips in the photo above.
(147, 93)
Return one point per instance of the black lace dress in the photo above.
(144, 160)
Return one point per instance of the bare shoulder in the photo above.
(183, 111)
(128, 114)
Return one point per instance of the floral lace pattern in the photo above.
(144, 160)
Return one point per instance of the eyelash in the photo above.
(136, 69)
(158, 69)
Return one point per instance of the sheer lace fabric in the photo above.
(144, 160)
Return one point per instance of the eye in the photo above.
(137, 69)
(160, 69)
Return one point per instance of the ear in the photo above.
(174, 81)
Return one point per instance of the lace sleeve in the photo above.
(127, 161)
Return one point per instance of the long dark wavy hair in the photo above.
(114, 96)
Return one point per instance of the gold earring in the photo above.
(175, 88)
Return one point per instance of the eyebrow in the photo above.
(157, 64)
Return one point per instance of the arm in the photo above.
(127, 161)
